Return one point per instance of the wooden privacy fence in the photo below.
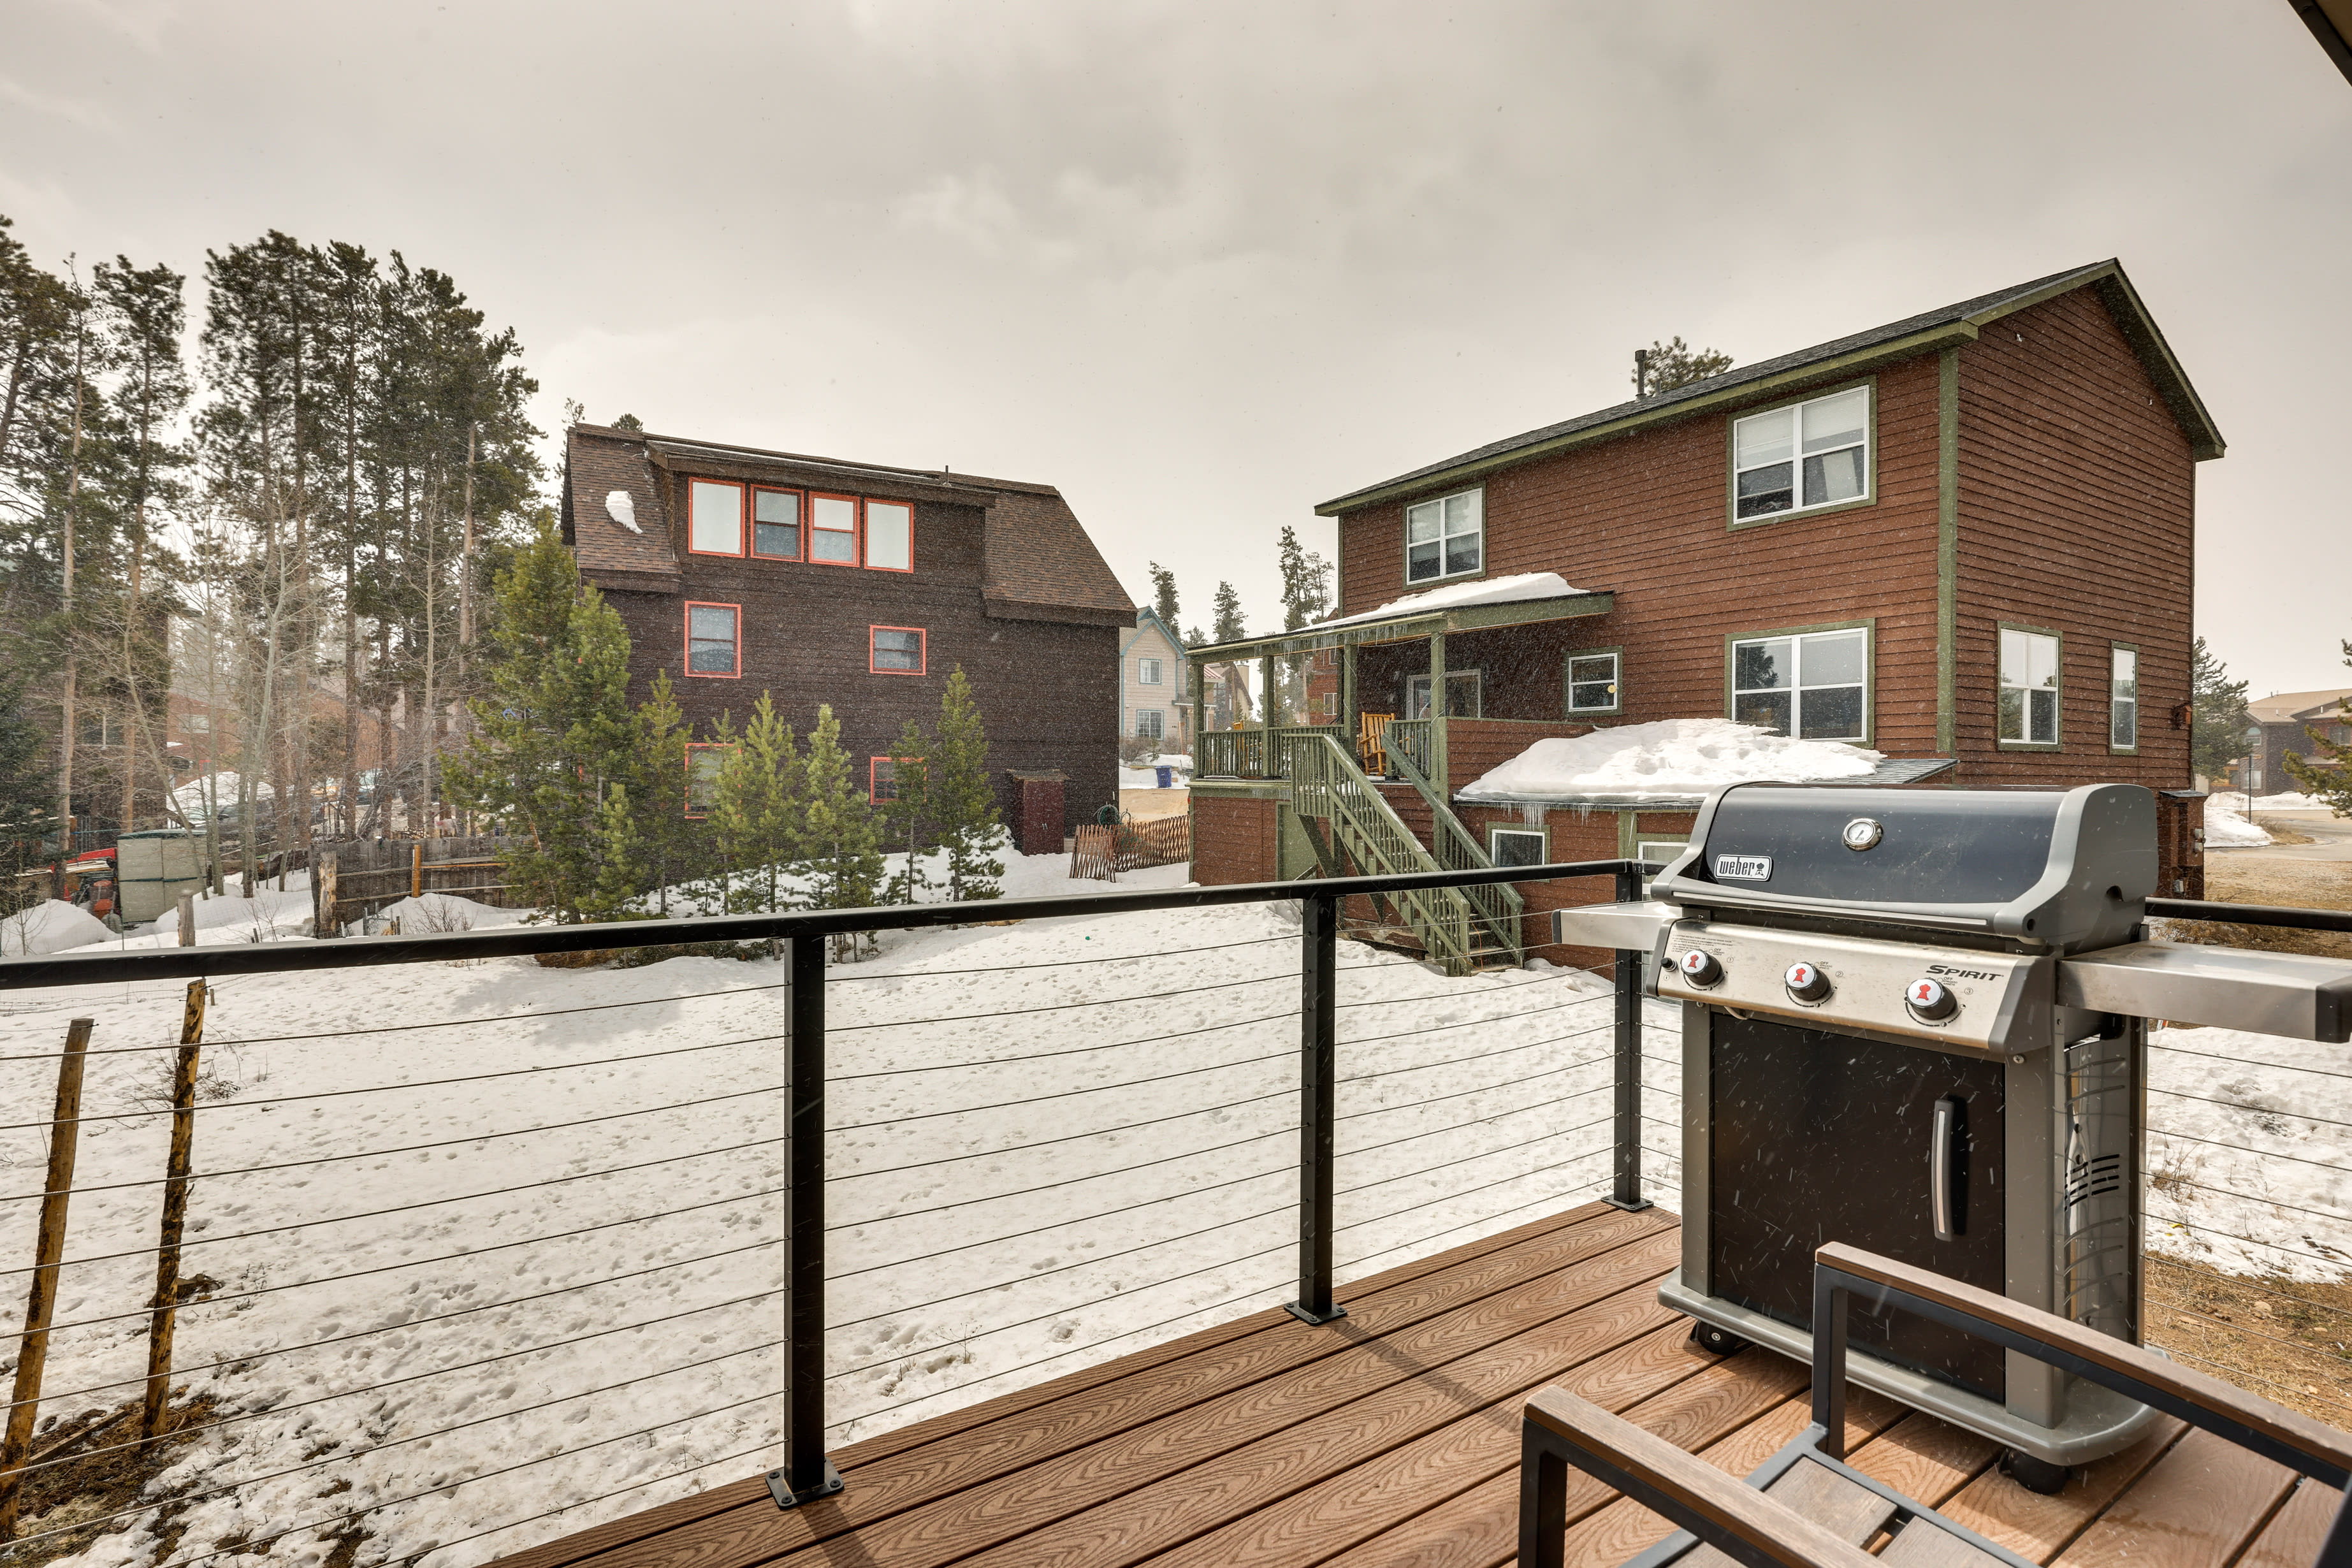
(355, 879)
(1100, 853)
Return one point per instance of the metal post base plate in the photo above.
(1637, 1206)
(786, 1498)
(1304, 1316)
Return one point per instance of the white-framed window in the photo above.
(1146, 672)
(1446, 537)
(1515, 846)
(2029, 687)
(2123, 699)
(1804, 456)
(1150, 723)
(1814, 686)
(1592, 682)
(1463, 695)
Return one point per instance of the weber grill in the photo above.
(1914, 1022)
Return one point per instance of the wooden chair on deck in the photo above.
(1806, 1507)
(1369, 729)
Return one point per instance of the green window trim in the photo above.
(1567, 683)
(2138, 705)
(2060, 639)
(1404, 540)
(1735, 523)
(1867, 626)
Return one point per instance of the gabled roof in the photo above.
(1897, 340)
(1037, 564)
(1147, 618)
(2286, 707)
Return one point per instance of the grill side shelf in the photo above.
(2287, 994)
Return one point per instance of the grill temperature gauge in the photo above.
(1930, 1001)
(1806, 982)
(1701, 968)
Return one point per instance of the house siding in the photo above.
(1236, 839)
(1150, 642)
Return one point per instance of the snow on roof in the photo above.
(1486, 590)
(1673, 758)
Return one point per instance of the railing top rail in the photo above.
(201, 962)
(2251, 914)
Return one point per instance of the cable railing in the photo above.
(431, 1257)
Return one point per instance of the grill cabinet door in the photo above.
(1821, 1137)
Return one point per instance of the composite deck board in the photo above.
(1392, 1438)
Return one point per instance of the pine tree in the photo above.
(1306, 597)
(1662, 367)
(964, 806)
(2325, 771)
(620, 871)
(761, 806)
(555, 727)
(841, 842)
(27, 805)
(1163, 596)
(908, 814)
(672, 843)
(2218, 716)
(1229, 627)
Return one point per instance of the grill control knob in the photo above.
(1930, 1001)
(1702, 968)
(1806, 982)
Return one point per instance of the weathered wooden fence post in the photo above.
(187, 919)
(176, 1214)
(48, 1248)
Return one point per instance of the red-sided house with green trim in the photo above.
(1964, 539)
(739, 569)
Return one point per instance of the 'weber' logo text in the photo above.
(1743, 868)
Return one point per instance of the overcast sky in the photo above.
(1204, 266)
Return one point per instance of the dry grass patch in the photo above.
(2286, 1340)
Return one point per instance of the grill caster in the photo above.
(1716, 1342)
(2034, 1475)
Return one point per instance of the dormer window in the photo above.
(1805, 456)
(1445, 538)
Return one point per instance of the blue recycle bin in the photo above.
(1167, 775)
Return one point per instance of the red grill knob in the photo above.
(1806, 982)
(1701, 969)
(1930, 1001)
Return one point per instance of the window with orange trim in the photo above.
(897, 650)
(703, 761)
(714, 517)
(714, 640)
(833, 530)
(889, 536)
(776, 524)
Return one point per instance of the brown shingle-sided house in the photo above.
(740, 570)
(1963, 539)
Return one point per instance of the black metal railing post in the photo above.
(807, 1474)
(1318, 1065)
(1627, 1191)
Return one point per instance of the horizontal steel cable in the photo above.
(1057, 1007)
(406, 1208)
(2259, 1154)
(2249, 1062)
(178, 1432)
(408, 1148)
(1467, 1159)
(144, 1314)
(2229, 1327)
(1449, 1197)
(1283, 1017)
(1289, 1093)
(2234, 1372)
(2240, 1105)
(1441, 1099)
(1065, 1269)
(1506, 987)
(1359, 1261)
(730, 991)
(1472, 1056)
(443, 1432)
(1476, 1121)
(2267, 1202)
(1072, 1311)
(1065, 1224)
(1063, 962)
(2336, 1263)
(391, 1087)
(1068, 1181)
(1290, 1055)
(1420, 1029)
(190, 1369)
(2240, 1279)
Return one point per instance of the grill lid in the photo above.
(2068, 870)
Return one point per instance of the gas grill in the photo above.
(1914, 1021)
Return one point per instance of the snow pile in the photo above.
(50, 926)
(1673, 757)
(1486, 591)
(198, 796)
(2225, 829)
(2292, 802)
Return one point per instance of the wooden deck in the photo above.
(1392, 1437)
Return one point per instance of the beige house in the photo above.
(1152, 701)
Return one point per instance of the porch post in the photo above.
(1198, 674)
(1349, 721)
(1266, 689)
(1437, 774)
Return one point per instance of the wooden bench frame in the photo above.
(1738, 1519)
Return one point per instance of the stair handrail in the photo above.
(1325, 783)
(1456, 848)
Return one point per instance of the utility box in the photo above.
(1040, 831)
(153, 869)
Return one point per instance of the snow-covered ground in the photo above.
(1051, 1143)
(2225, 829)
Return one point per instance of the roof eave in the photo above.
(1404, 629)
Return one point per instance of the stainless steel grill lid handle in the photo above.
(1949, 1206)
